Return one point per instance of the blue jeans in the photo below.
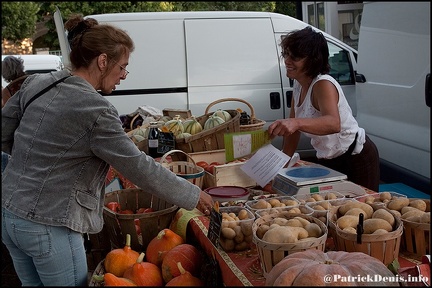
(44, 255)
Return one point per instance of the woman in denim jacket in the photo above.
(62, 146)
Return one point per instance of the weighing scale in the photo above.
(314, 178)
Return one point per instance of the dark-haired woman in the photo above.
(62, 145)
(320, 110)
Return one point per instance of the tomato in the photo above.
(127, 211)
(215, 163)
(113, 206)
(202, 164)
(210, 168)
(145, 210)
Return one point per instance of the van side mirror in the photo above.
(360, 78)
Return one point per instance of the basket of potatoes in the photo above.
(361, 228)
(280, 234)
(379, 200)
(272, 202)
(415, 215)
(236, 228)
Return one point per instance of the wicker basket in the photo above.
(271, 253)
(255, 124)
(184, 169)
(118, 225)
(210, 139)
(100, 270)
(416, 236)
(383, 247)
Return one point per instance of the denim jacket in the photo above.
(61, 149)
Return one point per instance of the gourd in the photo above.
(161, 244)
(183, 135)
(226, 116)
(212, 122)
(188, 255)
(175, 126)
(311, 267)
(144, 273)
(166, 118)
(185, 279)
(118, 260)
(110, 280)
(192, 126)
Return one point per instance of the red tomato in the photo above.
(113, 206)
(210, 168)
(202, 164)
(145, 210)
(215, 163)
(127, 211)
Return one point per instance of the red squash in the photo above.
(161, 244)
(189, 257)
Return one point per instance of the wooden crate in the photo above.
(184, 114)
(223, 175)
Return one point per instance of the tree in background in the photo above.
(26, 14)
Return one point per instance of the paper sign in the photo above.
(264, 165)
(241, 144)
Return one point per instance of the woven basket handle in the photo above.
(133, 120)
(163, 158)
(232, 99)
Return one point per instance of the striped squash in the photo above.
(175, 126)
(212, 122)
(192, 126)
(223, 114)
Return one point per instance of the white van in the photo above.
(36, 63)
(186, 60)
(393, 104)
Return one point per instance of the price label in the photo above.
(166, 142)
(214, 227)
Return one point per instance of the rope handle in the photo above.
(163, 158)
(232, 99)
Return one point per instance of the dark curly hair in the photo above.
(88, 39)
(310, 44)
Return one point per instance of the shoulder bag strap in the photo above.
(44, 91)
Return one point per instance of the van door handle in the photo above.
(428, 95)
(289, 95)
(275, 102)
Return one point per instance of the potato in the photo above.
(406, 209)
(330, 196)
(354, 204)
(274, 202)
(279, 234)
(318, 207)
(294, 223)
(261, 230)
(380, 232)
(280, 221)
(396, 213)
(419, 204)
(261, 204)
(347, 221)
(414, 218)
(410, 213)
(241, 246)
(356, 212)
(239, 237)
(398, 203)
(373, 224)
(294, 210)
(246, 228)
(228, 233)
(385, 215)
(350, 230)
(310, 199)
(289, 202)
(385, 196)
(317, 197)
(313, 229)
(243, 214)
(302, 220)
(425, 218)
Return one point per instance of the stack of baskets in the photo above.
(184, 169)
(118, 225)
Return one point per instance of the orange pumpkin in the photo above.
(161, 244)
(185, 279)
(189, 257)
(118, 260)
(112, 280)
(314, 267)
(144, 273)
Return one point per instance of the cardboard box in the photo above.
(185, 114)
(223, 175)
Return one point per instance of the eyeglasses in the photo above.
(125, 72)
